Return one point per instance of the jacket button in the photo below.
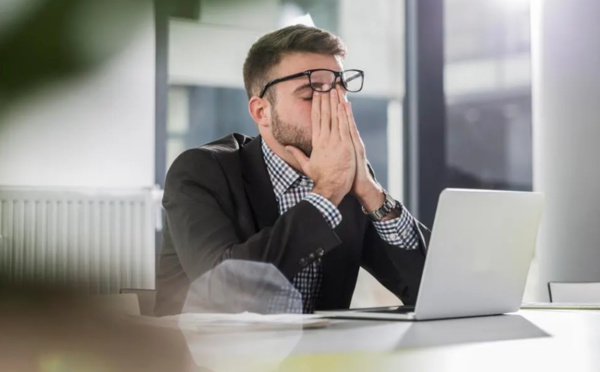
(302, 262)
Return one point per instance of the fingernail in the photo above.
(333, 92)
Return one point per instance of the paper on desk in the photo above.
(246, 321)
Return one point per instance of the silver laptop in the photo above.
(478, 257)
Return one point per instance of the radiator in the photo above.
(98, 240)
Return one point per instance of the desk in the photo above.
(531, 340)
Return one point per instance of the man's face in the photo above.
(291, 115)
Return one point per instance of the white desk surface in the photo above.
(531, 340)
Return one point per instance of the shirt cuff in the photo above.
(329, 211)
(400, 231)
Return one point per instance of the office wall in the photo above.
(207, 54)
(566, 92)
(94, 130)
(211, 51)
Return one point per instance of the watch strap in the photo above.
(388, 205)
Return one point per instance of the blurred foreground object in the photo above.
(237, 286)
(46, 41)
(50, 329)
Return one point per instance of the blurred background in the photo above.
(98, 98)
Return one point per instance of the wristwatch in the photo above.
(389, 205)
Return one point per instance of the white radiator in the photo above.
(99, 240)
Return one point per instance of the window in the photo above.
(488, 94)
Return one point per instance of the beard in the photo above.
(288, 134)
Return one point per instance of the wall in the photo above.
(212, 51)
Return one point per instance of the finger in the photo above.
(342, 93)
(343, 123)
(316, 115)
(353, 129)
(300, 157)
(325, 114)
(345, 134)
(334, 103)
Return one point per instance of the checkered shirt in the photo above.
(290, 188)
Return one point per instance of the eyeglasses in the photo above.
(323, 80)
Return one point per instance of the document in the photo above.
(246, 321)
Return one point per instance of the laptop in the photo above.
(478, 257)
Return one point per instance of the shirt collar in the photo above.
(281, 173)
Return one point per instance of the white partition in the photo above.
(566, 131)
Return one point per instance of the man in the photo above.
(300, 196)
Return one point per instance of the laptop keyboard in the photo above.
(393, 310)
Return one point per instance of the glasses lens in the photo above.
(321, 80)
(353, 80)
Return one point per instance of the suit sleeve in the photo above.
(204, 233)
(399, 270)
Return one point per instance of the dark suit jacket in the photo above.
(220, 204)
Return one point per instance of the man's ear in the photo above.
(260, 111)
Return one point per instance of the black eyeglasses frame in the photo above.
(337, 74)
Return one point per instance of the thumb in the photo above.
(299, 156)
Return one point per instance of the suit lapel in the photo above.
(258, 184)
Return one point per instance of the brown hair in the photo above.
(270, 48)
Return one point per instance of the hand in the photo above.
(364, 187)
(332, 164)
